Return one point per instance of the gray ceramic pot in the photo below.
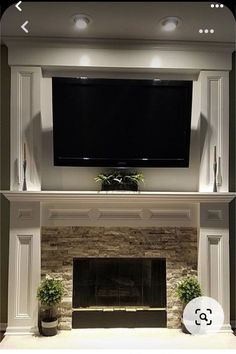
(49, 328)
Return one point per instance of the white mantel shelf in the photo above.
(80, 196)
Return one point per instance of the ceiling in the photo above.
(120, 20)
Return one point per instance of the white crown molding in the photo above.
(119, 43)
(93, 196)
(128, 55)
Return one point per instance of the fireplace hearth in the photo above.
(114, 292)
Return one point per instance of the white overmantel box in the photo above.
(31, 108)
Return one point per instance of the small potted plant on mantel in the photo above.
(119, 180)
(187, 290)
(50, 293)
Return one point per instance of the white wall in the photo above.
(82, 178)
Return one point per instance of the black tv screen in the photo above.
(121, 123)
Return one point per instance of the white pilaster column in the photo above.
(26, 126)
(214, 127)
(24, 267)
(213, 256)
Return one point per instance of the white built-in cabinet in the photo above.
(26, 126)
(210, 211)
(214, 129)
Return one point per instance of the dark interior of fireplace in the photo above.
(119, 292)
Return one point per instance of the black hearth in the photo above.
(119, 292)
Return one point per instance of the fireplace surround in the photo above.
(50, 229)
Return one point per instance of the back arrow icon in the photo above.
(18, 6)
(23, 26)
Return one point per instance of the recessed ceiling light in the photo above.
(212, 5)
(217, 5)
(81, 21)
(212, 31)
(221, 5)
(201, 30)
(169, 24)
(206, 30)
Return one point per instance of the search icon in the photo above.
(203, 316)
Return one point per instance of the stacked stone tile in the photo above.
(178, 245)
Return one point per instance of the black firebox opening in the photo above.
(121, 284)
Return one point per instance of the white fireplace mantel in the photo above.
(141, 209)
(31, 210)
(80, 196)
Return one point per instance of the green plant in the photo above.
(188, 289)
(50, 293)
(120, 177)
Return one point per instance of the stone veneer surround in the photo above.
(177, 244)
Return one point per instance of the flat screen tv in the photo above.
(121, 123)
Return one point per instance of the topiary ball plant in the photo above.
(50, 293)
(188, 289)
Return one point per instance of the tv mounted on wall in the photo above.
(121, 123)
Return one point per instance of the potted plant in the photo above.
(50, 293)
(187, 290)
(120, 180)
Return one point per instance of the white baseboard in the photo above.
(15, 331)
(226, 328)
(3, 326)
